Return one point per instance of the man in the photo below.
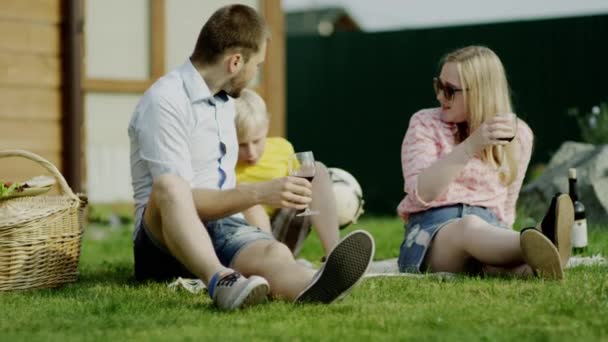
(183, 153)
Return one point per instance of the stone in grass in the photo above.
(591, 163)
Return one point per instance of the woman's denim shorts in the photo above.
(422, 227)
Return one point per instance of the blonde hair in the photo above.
(486, 94)
(251, 113)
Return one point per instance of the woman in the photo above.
(463, 166)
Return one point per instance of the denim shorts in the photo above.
(228, 235)
(422, 227)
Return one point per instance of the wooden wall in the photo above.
(30, 79)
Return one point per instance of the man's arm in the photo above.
(286, 192)
(162, 138)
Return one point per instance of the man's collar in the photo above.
(196, 87)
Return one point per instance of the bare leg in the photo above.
(472, 237)
(323, 200)
(274, 261)
(172, 219)
(256, 216)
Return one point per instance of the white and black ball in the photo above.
(349, 196)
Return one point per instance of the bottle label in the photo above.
(579, 233)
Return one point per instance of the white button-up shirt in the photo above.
(180, 128)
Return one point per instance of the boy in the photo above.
(264, 158)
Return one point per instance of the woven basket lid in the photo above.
(19, 210)
(25, 209)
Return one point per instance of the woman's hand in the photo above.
(498, 130)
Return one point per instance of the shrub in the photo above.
(594, 124)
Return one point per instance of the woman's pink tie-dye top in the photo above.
(428, 139)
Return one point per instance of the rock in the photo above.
(591, 163)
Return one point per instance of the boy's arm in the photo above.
(256, 216)
(285, 192)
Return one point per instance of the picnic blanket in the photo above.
(389, 268)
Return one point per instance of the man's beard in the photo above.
(235, 93)
(235, 86)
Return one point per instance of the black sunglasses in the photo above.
(448, 90)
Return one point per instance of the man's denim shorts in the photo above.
(422, 227)
(228, 235)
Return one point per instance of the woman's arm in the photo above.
(435, 179)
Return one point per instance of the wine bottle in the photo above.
(579, 230)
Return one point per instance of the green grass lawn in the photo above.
(105, 304)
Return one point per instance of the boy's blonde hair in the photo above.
(486, 94)
(251, 113)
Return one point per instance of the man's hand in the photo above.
(286, 192)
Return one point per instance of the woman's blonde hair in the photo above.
(251, 113)
(486, 94)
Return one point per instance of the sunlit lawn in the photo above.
(106, 305)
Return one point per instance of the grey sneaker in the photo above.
(540, 254)
(233, 291)
(345, 266)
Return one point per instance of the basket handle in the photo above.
(63, 185)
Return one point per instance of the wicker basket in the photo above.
(40, 236)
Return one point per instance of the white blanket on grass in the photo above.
(389, 268)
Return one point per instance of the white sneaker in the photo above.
(233, 291)
(345, 266)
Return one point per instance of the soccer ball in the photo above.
(349, 196)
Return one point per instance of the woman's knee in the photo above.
(471, 224)
(458, 232)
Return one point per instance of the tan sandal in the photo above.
(540, 254)
(557, 225)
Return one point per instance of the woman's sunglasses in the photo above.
(448, 90)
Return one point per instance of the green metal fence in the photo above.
(350, 96)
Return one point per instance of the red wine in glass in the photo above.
(309, 178)
(509, 139)
(302, 165)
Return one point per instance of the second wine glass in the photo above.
(302, 164)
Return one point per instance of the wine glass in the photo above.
(302, 164)
(514, 122)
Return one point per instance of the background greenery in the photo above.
(350, 96)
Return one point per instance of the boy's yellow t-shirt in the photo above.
(272, 164)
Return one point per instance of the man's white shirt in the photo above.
(180, 128)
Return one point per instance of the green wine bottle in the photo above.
(579, 230)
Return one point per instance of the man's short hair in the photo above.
(237, 28)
